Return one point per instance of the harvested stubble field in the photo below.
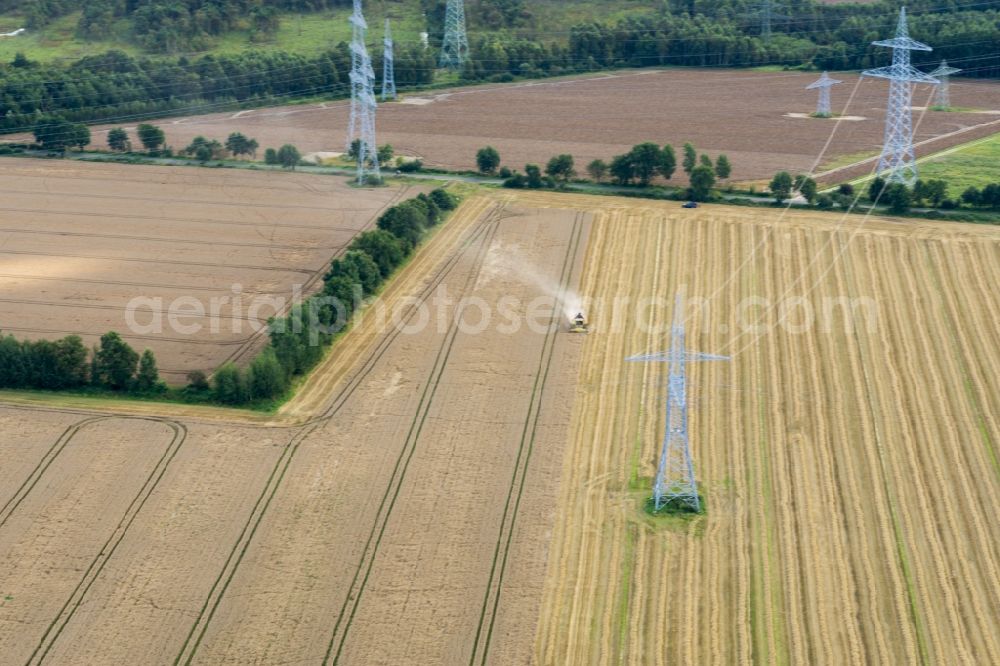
(80, 241)
(851, 473)
(439, 496)
(405, 520)
(604, 115)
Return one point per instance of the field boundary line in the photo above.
(333, 369)
(381, 345)
(438, 269)
(308, 288)
(919, 144)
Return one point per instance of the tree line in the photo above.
(298, 340)
(171, 25)
(639, 166)
(717, 33)
(925, 193)
(115, 85)
(65, 364)
(931, 193)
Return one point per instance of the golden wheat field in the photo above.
(850, 467)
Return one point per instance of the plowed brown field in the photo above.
(441, 496)
(745, 114)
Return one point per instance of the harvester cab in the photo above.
(579, 324)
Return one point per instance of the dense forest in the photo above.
(726, 32)
(117, 86)
(505, 42)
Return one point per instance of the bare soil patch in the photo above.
(737, 112)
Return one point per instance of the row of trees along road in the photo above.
(640, 166)
(58, 135)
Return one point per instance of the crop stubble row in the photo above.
(849, 474)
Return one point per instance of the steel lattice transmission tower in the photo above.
(943, 73)
(363, 104)
(767, 16)
(388, 71)
(358, 28)
(675, 480)
(898, 157)
(823, 84)
(455, 48)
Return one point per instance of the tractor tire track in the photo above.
(160, 239)
(172, 262)
(523, 458)
(189, 220)
(10, 506)
(196, 634)
(356, 589)
(96, 566)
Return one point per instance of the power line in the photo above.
(339, 87)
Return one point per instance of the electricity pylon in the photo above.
(358, 27)
(363, 104)
(898, 157)
(943, 73)
(675, 480)
(455, 48)
(388, 71)
(823, 84)
(767, 16)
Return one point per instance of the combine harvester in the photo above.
(578, 324)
